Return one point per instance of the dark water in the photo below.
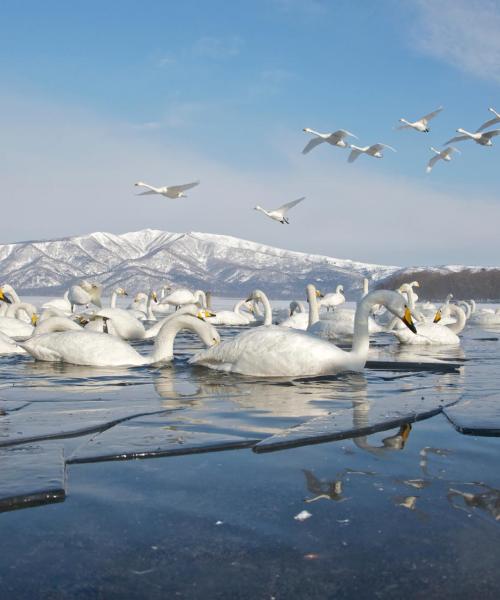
(412, 510)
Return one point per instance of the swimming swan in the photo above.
(434, 334)
(277, 351)
(103, 350)
(85, 293)
(231, 317)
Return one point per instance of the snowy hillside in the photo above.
(150, 258)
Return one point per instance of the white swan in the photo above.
(298, 317)
(336, 325)
(335, 139)
(484, 316)
(103, 350)
(279, 214)
(116, 292)
(18, 329)
(8, 346)
(421, 124)
(277, 351)
(376, 150)
(333, 299)
(187, 309)
(184, 296)
(62, 304)
(494, 121)
(85, 293)
(171, 191)
(445, 154)
(120, 323)
(433, 333)
(231, 317)
(484, 138)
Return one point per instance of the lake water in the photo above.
(180, 482)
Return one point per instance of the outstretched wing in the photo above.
(354, 154)
(449, 151)
(286, 207)
(341, 134)
(146, 193)
(458, 138)
(431, 115)
(403, 127)
(490, 134)
(432, 162)
(489, 123)
(312, 144)
(184, 187)
(379, 147)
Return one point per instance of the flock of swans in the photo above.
(339, 139)
(78, 329)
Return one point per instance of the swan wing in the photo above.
(147, 193)
(490, 134)
(431, 115)
(355, 152)
(183, 187)
(379, 147)
(489, 123)
(432, 162)
(458, 138)
(403, 127)
(286, 207)
(312, 144)
(340, 134)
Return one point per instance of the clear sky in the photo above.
(97, 95)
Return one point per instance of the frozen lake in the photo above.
(184, 482)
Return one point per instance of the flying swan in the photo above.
(484, 138)
(335, 139)
(279, 214)
(440, 155)
(421, 124)
(376, 151)
(172, 191)
(491, 122)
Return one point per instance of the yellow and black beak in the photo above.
(319, 294)
(437, 317)
(34, 319)
(154, 296)
(408, 321)
(405, 432)
(209, 313)
(4, 298)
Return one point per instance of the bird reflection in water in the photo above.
(488, 500)
(326, 490)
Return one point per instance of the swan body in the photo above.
(275, 351)
(121, 323)
(103, 350)
(84, 293)
(435, 334)
(422, 124)
(334, 299)
(337, 138)
(16, 328)
(62, 304)
(184, 296)
(172, 191)
(445, 154)
(376, 150)
(279, 214)
(299, 317)
(491, 122)
(8, 346)
(485, 316)
(481, 138)
(230, 317)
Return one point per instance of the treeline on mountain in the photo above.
(482, 285)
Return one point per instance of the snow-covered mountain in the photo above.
(147, 259)
(225, 265)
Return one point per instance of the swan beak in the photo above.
(154, 296)
(408, 321)
(124, 293)
(319, 294)
(208, 313)
(405, 432)
(437, 317)
(4, 297)
(34, 319)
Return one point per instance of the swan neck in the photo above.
(361, 339)
(461, 319)
(149, 308)
(201, 298)
(113, 299)
(268, 311)
(56, 324)
(163, 349)
(12, 292)
(313, 305)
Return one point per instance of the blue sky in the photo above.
(98, 95)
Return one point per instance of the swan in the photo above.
(335, 139)
(18, 329)
(339, 324)
(85, 293)
(62, 304)
(282, 352)
(120, 323)
(333, 299)
(491, 122)
(103, 350)
(172, 191)
(299, 317)
(484, 316)
(230, 317)
(8, 346)
(376, 150)
(422, 124)
(11, 302)
(184, 296)
(484, 138)
(279, 214)
(117, 292)
(445, 154)
(433, 333)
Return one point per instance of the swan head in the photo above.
(396, 304)
(256, 295)
(208, 334)
(34, 319)
(121, 292)
(154, 297)
(437, 316)
(203, 314)
(4, 298)
(257, 207)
